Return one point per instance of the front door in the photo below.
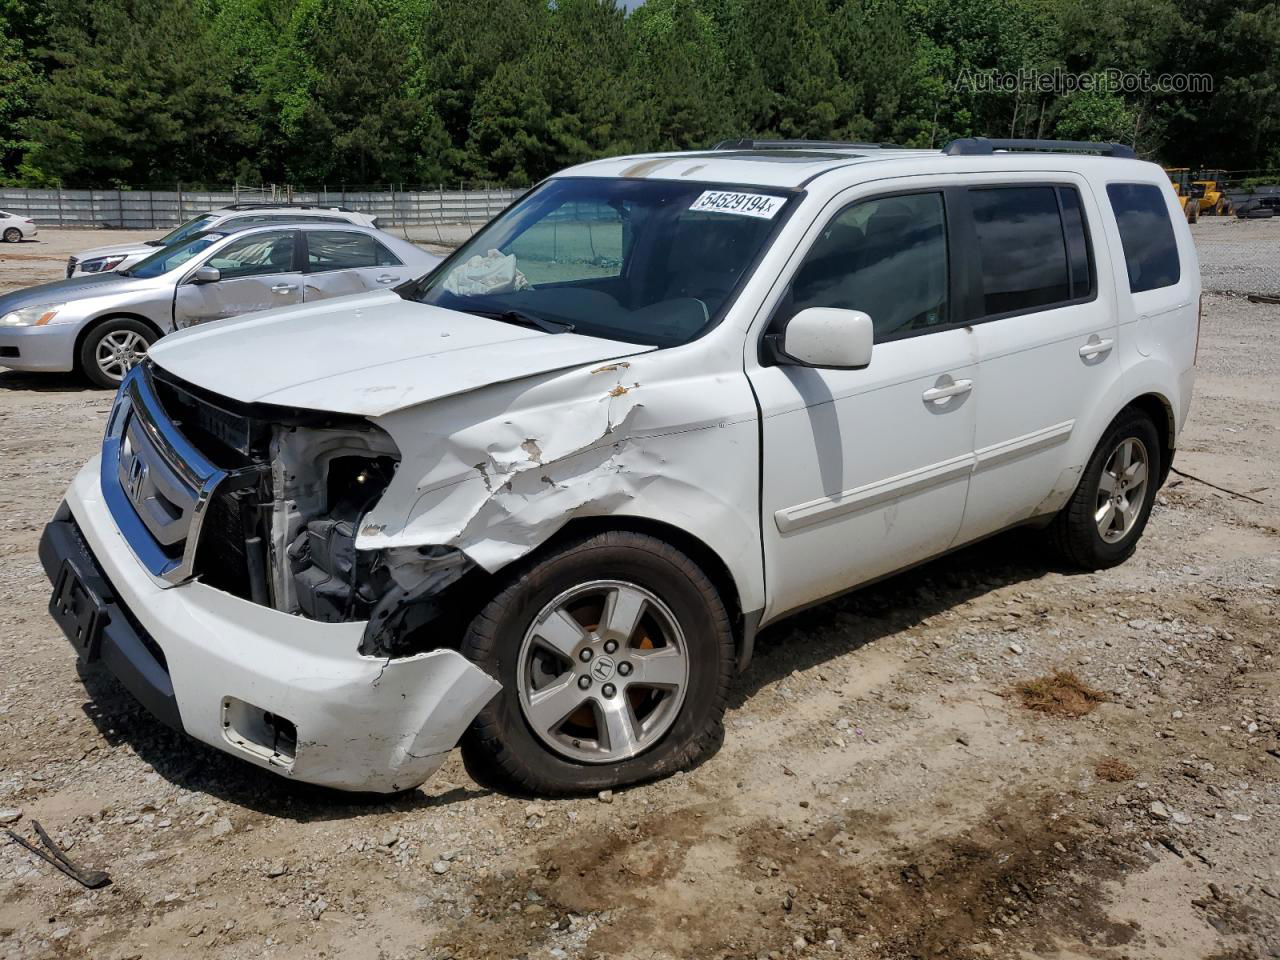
(258, 272)
(866, 471)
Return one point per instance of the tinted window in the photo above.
(256, 255)
(341, 250)
(861, 260)
(173, 256)
(1150, 251)
(1079, 256)
(1021, 248)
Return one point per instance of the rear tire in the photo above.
(12, 235)
(112, 349)
(568, 722)
(1101, 525)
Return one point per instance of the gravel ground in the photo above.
(883, 792)
(1239, 256)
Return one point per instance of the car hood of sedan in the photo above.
(134, 249)
(65, 291)
(368, 355)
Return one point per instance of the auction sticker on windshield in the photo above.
(743, 204)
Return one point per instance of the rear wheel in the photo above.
(113, 348)
(12, 235)
(1101, 525)
(615, 656)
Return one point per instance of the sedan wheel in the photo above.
(12, 235)
(603, 672)
(113, 348)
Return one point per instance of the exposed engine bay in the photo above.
(285, 535)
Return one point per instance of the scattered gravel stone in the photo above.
(10, 815)
(1158, 810)
(440, 867)
(277, 868)
(605, 796)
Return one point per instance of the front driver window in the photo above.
(886, 257)
(255, 255)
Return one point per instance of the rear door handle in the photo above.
(387, 279)
(1096, 346)
(940, 395)
(284, 288)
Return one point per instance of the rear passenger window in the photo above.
(340, 250)
(1033, 248)
(1150, 251)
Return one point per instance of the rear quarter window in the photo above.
(1146, 234)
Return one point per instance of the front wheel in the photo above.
(12, 235)
(1101, 525)
(114, 348)
(615, 656)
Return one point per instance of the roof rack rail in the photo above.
(983, 146)
(273, 204)
(749, 144)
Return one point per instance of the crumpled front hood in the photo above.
(368, 355)
(65, 291)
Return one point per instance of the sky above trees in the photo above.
(135, 92)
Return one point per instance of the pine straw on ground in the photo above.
(1060, 694)
(1114, 770)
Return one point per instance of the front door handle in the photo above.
(1096, 346)
(387, 279)
(940, 395)
(284, 288)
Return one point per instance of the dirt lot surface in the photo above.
(883, 791)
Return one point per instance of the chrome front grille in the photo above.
(155, 482)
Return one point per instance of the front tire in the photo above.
(112, 349)
(615, 657)
(1101, 525)
(12, 235)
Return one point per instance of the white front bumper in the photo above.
(363, 723)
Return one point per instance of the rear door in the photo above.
(1046, 328)
(258, 271)
(343, 262)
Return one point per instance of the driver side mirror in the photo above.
(825, 337)
(206, 275)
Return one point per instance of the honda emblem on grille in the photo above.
(137, 479)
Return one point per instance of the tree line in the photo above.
(107, 93)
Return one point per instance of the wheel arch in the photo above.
(1160, 410)
(717, 571)
(97, 322)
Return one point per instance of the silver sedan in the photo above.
(102, 324)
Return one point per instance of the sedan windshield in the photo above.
(186, 231)
(172, 257)
(645, 261)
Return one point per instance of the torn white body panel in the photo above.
(495, 473)
(363, 723)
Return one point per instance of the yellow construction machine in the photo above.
(1180, 177)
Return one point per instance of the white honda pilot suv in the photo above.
(541, 499)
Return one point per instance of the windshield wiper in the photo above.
(523, 319)
(154, 243)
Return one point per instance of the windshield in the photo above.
(172, 257)
(187, 230)
(645, 261)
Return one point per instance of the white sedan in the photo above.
(14, 228)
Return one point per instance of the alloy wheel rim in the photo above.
(1122, 489)
(13, 235)
(119, 352)
(602, 672)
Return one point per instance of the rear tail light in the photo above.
(29, 221)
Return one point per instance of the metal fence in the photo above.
(153, 209)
